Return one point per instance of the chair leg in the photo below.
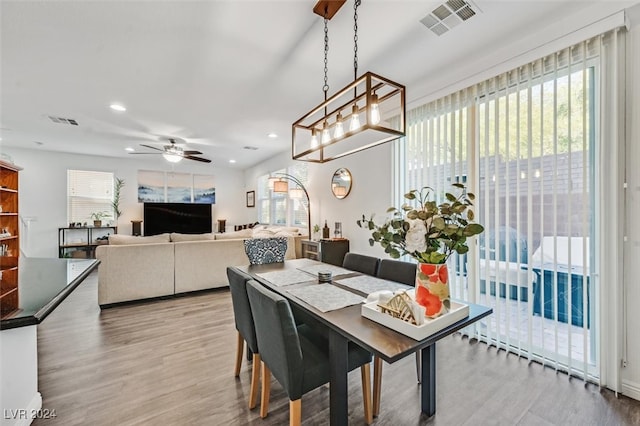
(266, 390)
(255, 378)
(295, 412)
(377, 384)
(365, 372)
(239, 349)
(418, 367)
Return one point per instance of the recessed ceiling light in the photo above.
(117, 107)
(232, 161)
(129, 149)
(272, 135)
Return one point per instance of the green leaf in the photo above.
(458, 185)
(410, 196)
(391, 209)
(470, 214)
(473, 229)
(371, 242)
(450, 197)
(394, 254)
(471, 196)
(412, 215)
(438, 223)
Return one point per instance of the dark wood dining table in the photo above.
(347, 324)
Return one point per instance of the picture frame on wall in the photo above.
(251, 198)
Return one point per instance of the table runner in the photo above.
(368, 284)
(335, 270)
(286, 277)
(326, 297)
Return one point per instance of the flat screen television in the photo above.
(184, 218)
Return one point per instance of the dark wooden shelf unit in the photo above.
(9, 224)
(326, 250)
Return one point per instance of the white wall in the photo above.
(370, 192)
(43, 192)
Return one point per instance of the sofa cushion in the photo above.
(119, 239)
(177, 237)
(265, 250)
(236, 235)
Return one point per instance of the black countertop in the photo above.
(43, 283)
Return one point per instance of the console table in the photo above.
(43, 285)
(330, 250)
(86, 240)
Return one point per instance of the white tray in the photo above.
(417, 332)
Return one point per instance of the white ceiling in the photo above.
(222, 74)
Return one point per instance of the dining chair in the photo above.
(265, 250)
(405, 273)
(245, 328)
(361, 263)
(297, 356)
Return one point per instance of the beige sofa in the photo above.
(135, 268)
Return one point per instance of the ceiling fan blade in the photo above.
(152, 147)
(203, 160)
(191, 152)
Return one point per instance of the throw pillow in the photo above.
(177, 237)
(265, 250)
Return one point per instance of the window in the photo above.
(88, 192)
(281, 208)
(524, 142)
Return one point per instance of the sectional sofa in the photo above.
(135, 268)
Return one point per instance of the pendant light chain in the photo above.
(325, 88)
(355, 38)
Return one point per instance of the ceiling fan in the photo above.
(174, 153)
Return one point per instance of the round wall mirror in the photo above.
(341, 183)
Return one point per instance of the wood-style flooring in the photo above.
(170, 362)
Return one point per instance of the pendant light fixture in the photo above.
(367, 112)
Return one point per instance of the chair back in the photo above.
(361, 263)
(241, 307)
(277, 337)
(396, 270)
(265, 250)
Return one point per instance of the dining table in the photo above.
(337, 306)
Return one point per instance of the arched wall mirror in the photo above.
(341, 183)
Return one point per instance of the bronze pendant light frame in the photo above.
(335, 113)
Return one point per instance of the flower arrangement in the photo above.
(424, 230)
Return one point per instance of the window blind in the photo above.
(88, 192)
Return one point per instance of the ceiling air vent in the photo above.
(250, 148)
(61, 120)
(448, 15)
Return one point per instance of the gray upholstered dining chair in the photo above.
(361, 263)
(265, 250)
(297, 356)
(405, 273)
(245, 327)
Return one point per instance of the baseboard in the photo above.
(631, 389)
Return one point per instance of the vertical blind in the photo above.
(88, 192)
(524, 143)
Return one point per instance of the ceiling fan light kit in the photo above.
(174, 153)
(368, 112)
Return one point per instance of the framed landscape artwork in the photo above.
(251, 198)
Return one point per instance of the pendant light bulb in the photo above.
(339, 131)
(326, 137)
(375, 109)
(314, 139)
(355, 119)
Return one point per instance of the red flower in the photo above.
(431, 302)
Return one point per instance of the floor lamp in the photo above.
(281, 185)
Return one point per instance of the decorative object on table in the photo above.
(325, 230)
(324, 276)
(136, 227)
(97, 218)
(403, 307)
(430, 233)
(337, 232)
(316, 232)
(278, 183)
(251, 198)
(117, 188)
(367, 112)
(341, 183)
